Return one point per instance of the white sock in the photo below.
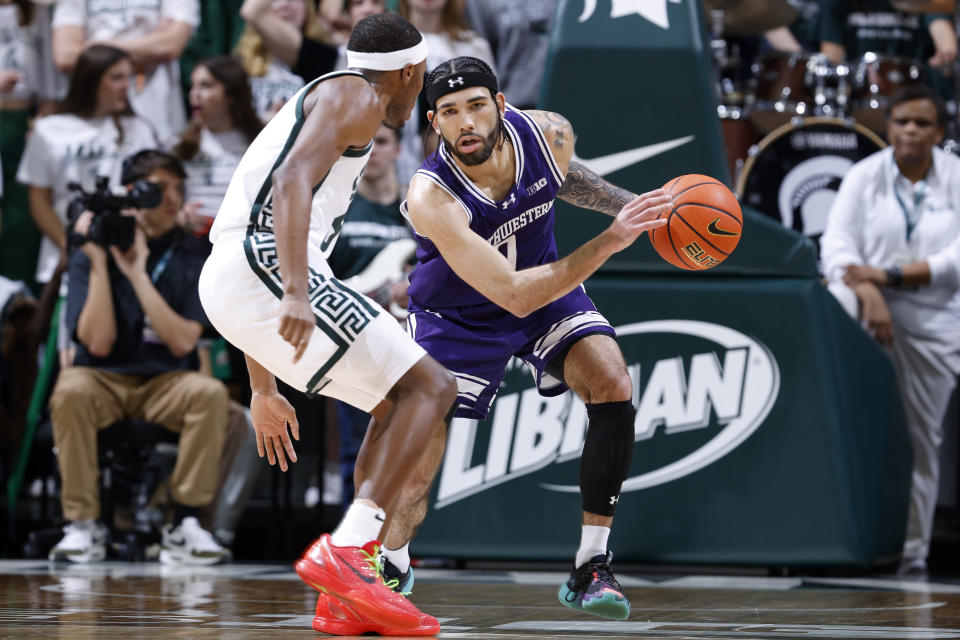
(360, 525)
(400, 558)
(593, 542)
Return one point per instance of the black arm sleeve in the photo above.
(315, 59)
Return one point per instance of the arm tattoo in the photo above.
(586, 189)
(557, 126)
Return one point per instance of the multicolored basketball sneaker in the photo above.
(401, 582)
(593, 589)
(352, 576)
(342, 619)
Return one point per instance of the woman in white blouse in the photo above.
(222, 126)
(90, 135)
(891, 254)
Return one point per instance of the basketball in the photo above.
(704, 226)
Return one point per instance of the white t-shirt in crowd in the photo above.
(209, 172)
(442, 48)
(159, 99)
(27, 50)
(272, 90)
(65, 148)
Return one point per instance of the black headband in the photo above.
(459, 80)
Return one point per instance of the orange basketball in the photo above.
(704, 226)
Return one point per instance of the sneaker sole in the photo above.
(171, 558)
(339, 627)
(608, 606)
(79, 558)
(362, 599)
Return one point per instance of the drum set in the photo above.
(796, 122)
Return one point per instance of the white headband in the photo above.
(388, 61)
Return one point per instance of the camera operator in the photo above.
(136, 317)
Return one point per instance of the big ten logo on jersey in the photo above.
(701, 389)
(541, 183)
(698, 255)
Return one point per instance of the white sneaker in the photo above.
(190, 543)
(84, 541)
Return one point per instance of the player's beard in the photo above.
(481, 155)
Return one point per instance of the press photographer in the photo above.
(133, 309)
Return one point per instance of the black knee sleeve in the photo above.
(607, 454)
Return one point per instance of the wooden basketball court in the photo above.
(241, 601)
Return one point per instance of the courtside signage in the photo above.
(701, 390)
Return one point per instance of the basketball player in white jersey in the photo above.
(268, 289)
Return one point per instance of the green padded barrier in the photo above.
(759, 440)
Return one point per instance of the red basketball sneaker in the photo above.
(352, 576)
(342, 619)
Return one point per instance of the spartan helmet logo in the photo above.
(453, 82)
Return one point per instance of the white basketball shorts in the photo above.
(357, 352)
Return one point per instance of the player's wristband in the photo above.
(894, 276)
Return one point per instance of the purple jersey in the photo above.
(469, 335)
(520, 226)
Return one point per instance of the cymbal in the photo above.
(924, 6)
(752, 17)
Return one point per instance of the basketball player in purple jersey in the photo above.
(489, 286)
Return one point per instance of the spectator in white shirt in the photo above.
(891, 254)
(89, 137)
(154, 34)
(268, 58)
(223, 125)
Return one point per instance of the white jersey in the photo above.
(249, 200)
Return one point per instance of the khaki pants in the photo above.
(86, 400)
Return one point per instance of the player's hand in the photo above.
(640, 215)
(296, 323)
(270, 414)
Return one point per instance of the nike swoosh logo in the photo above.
(717, 231)
(362, 576)
(605, 165)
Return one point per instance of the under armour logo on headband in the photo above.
(455, 81)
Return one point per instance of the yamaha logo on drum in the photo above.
(824, 140)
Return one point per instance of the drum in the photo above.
(739, 136)
(875, 79)
(793, 174)
(779, 89)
